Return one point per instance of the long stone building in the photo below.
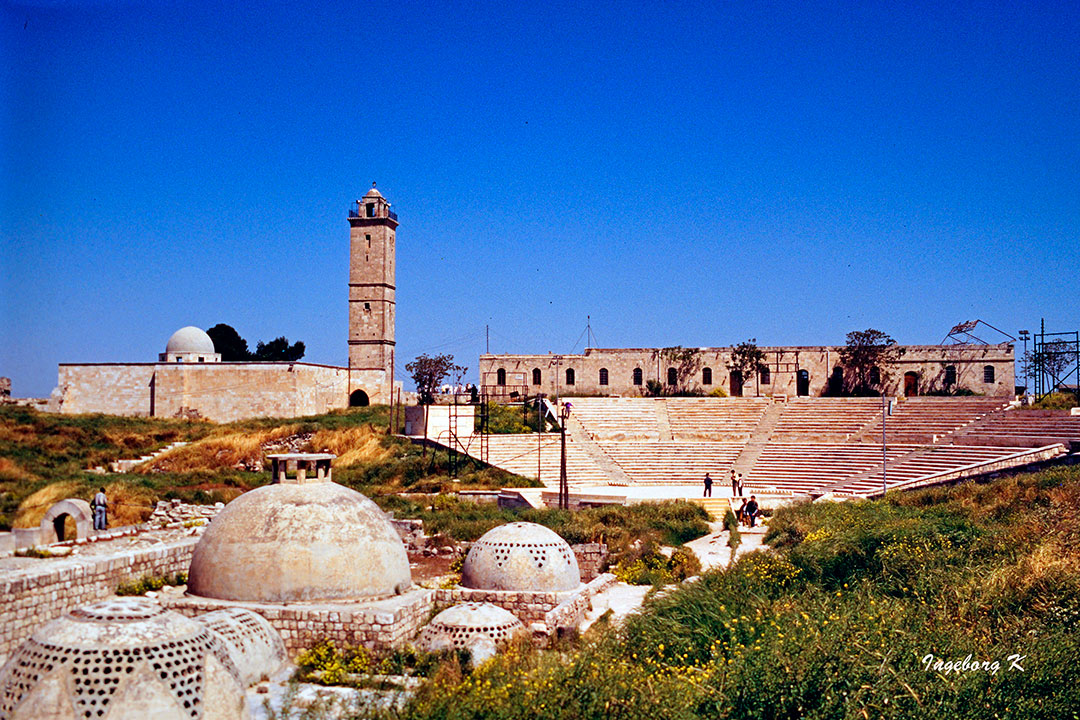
(792, 371)
(190, 380)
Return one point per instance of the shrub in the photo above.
(149, 583)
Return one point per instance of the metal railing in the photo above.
(354, 212)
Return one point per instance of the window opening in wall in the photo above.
(370, 209)
(765, 374)
(367, 306)
(202, 359)
(836, 381)
(950, 374)
(736, 383)
(706, 376)
(988, 374)
(603, 376)
(536, 376)
(637, 376)
(911, 384)
(875, 376)
(368, 240)
(500, 377)
(569, 376)
(672, 377)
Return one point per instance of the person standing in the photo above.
(734, 484)
(98, 506)
(708, 486)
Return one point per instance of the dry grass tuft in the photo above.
(34, 507)
(219, 451)
(10, 471)
(129, 504)
(353, 445)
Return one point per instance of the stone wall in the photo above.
(222, 392)
(591, 560)
(377, 625)
(570, 613)
(928, 362)
(45, 589)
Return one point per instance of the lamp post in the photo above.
(886, 409)
(564, 486)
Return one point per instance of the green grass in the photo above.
(836, 622)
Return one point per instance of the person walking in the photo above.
(98, 506)
(708, 486)
(752, 510)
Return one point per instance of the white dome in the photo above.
(190, 339)
(521, 556)
(121, 658)
(287, 542)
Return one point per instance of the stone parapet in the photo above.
(570, 613)
(379, 624)
(45, 589)
(591, 559)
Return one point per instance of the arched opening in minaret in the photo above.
(359, 398)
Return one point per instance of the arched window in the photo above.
(802, 383)
(672, 377)
(637, 376)
(603, 376)
(836, 381)
(569, 376)
(500, 377)
(875, 376)
(765, 374)
(536, 376)
(988, 374)
(950, 374)
(706, 376)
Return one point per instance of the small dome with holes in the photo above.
(473, 626)
(121, 658)
(521, 556)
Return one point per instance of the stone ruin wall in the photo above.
(928, 361)
(40, 592)
(222, 392)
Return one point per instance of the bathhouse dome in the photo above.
(521, 556)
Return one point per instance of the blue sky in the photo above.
(691, 174)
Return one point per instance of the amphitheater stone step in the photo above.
(759, 439)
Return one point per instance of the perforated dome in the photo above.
(121, 658)
(286, 542)
(190, 339)
(469, 625)
(521, 556)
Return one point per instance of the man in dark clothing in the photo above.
(752, 510)
(740, 514)
(734, 484)
(708, 486)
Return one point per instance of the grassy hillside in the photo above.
(863, 610)
(45, 458)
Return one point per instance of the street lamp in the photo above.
(1024, 364)
(564, 486)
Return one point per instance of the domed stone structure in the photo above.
(478, 627)
(252, 643)
(121, 658)
(304, 540)
(190, 344)
(521, 556)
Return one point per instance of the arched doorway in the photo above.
(736, 383)
(359, 398)
(68, 519)
(802, 383)
(911, 383)
(836, 381)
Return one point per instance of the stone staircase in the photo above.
(603, 461)
(127, 465)
(715, 506)
(663, 421)
(759, 438)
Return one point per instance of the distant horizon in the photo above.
(685, 175)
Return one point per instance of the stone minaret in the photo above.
(371, 299)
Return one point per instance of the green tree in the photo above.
(747, 359)
(228, 342)
(866, 360)
(429, 372)
(684, 361)
(279, 350)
